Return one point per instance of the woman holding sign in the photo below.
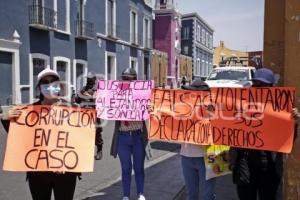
(41, 184)
(129, 142)
(193, 164)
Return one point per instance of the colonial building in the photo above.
(197, 42)
(71, 37)
(167, 36)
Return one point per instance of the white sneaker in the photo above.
(125, 198)
(141, 197)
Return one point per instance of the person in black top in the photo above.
(86, 99)
(258, 174)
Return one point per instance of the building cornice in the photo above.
(195, 15)
(10, 44)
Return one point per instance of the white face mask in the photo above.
(50, 91)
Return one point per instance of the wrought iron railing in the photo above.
(84, 29)
(42, 16)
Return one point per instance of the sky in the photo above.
(239, 23)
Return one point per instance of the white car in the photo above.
(231, 76)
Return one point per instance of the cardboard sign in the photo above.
(54, 138)
(216, 161)
(254, 118)
(123, 100)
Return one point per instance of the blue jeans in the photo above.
(194, 176)
(131, 151)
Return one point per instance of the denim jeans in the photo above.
(194, 176)
(131, 152)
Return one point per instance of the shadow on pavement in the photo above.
(164, 146)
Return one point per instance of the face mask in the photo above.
(50, 91)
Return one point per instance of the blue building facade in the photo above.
(72, 37)
(197, 42)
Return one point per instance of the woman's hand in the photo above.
(296, 115)
(12, 113)
(150, 108)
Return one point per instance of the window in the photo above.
(61, 68)
(79, 74)
(111, 71)
(134, 63)
(198, 33)
(146, 68)
(203, 36)
(6, 81)
(147, 39)
(207, 40)
(38, 66)
(79, 71)
(111, 18)
(197, 67)
(206, 69)
(62, 17)
(186, 50)
(186, 33)
(39, 11)
(202, 68)
(133, 27)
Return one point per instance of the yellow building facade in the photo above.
(222, 53)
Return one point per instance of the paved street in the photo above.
(164, 179)
(107, 171)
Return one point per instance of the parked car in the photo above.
(231, 76)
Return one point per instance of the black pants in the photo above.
(264, 181)
(41, 185)
(99, 140)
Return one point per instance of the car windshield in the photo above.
(229, 74)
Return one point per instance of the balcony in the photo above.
(168, 5)
(84, 30)
(42, 18)
(112, 31)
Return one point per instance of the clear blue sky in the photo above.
(239, 23)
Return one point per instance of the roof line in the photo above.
(194, 14)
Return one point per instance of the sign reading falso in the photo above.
(51, 138)
(255, 118)
(123, 100)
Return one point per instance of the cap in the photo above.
(91, 75)
(46, 72)
(129, 72)
(264, 75)
(197, 84)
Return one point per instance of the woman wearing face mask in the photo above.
(129, 142)
(41, 184)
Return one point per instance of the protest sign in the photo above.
(123, 100)
(51, 138)
(216, 161)
(255, 118)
